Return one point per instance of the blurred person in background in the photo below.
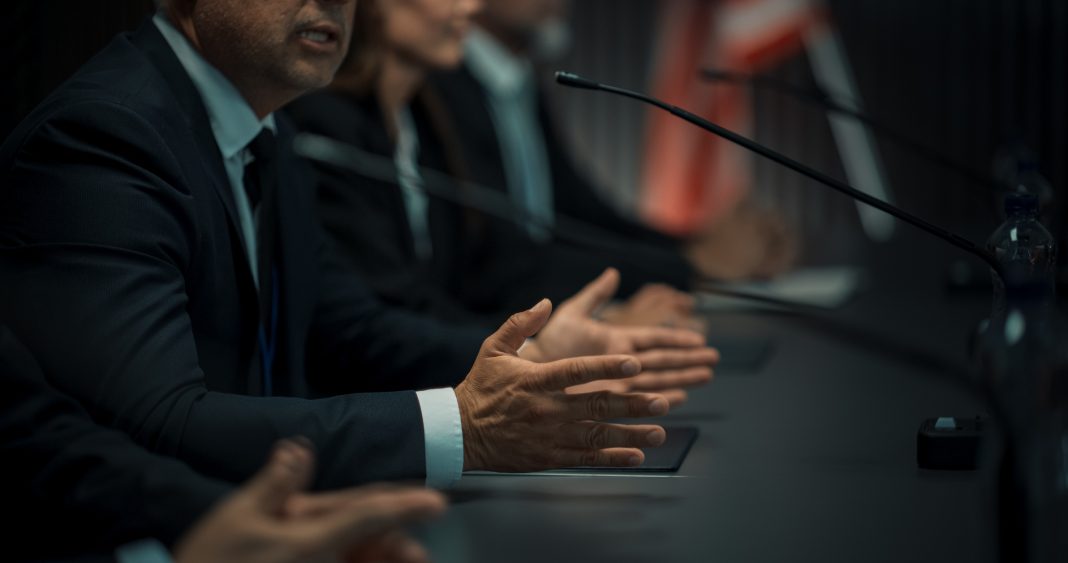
(511, 142)
(420, 251)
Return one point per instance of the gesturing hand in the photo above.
(749, 242)
(270, 519)
(655, 304)
(672, 359)
(516, 415)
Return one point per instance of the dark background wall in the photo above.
(45, 41)
(962, 76)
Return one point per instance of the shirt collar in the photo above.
(233, 122)
(500, 71)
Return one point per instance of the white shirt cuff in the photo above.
(143, 551)
(443, 437)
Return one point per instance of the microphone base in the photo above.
(950, 443)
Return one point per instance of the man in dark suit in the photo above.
(512, 144)
(65, 473)
(162, 262)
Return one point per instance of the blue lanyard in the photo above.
(267, 349)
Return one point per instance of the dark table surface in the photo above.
(811, 457)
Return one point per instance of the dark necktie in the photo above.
(261, 186)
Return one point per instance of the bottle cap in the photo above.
(1020, 202)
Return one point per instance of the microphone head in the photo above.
(575, 81)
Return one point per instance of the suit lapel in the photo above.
(377, 141)
(481, 132)
(156, 49)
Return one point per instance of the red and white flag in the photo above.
(691, 178)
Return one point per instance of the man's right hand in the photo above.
(271, 519)
(749, 243)
(516, 415)
(655, 304)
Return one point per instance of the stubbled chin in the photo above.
(310, 77)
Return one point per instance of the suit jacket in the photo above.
(367, 219)
(573, 262)
(64, 473)
(125, 274)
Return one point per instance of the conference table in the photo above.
(808, 456)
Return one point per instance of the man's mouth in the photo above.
(317, 36)
(323, 34)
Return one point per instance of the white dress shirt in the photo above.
(416, 203)
(143, 551)
(234, 126)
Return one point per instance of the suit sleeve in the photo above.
(97, 235)
(68, 473)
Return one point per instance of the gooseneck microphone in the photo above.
(575, 81)
(818, 97)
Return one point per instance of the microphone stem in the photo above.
(807, 171)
